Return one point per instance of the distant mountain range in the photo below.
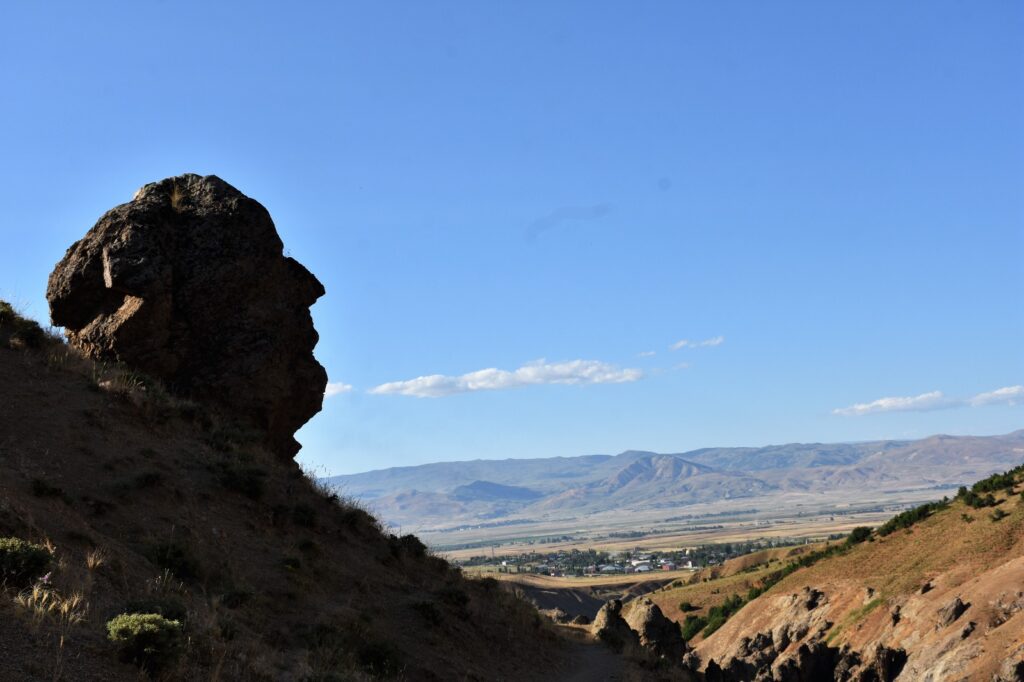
(478, 491)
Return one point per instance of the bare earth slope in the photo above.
(941, 600)
(143, 498)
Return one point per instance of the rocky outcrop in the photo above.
(611, 628)
(656, 632)
(188, 283)
(1012, 669)
(798, 649)
(950, 612)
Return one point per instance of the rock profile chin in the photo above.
(188, 282)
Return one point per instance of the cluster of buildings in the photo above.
(643, 563)
(588, 562)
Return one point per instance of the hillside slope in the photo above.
(940, 600)
(148, 504)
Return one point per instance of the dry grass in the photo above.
(43, 605)
(270, 570)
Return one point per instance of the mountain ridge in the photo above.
(640, 479)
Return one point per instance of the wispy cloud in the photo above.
(1008, 395)
(337, 388)
(935, 400)
(706, 343)
(646, 354)
(566, 213)
(492, 379)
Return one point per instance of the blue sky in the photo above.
(823, 199)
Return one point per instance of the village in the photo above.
(594, 562)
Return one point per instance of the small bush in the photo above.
(858, 535)
(147, 639)
(408, 545)
(999, 515)
(686, 607)
(176, 559)
(910, 517)
(972, 499)
(21, 562)
(693, 625)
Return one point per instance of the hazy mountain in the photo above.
(447, 493)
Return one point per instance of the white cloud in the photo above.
(706, 343)
(337, 388)
(492, 379)
(1010, 395)
(935, 400)
(646, 354)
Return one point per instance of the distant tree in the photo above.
(858, 535)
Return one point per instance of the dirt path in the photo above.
(594, 662)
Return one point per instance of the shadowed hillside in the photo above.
(143, 503)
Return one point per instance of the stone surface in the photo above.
(611, 628)
(188, 283)
(949, 613)
(657, 633)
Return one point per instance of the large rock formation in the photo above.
(188, 282)
(611, 628)
(657, 633)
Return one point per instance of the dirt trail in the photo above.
(594, 662)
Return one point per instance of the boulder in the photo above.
(611, 628)
(656, 632)
(950, 612)
(188, 283)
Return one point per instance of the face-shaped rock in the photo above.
(188, 283)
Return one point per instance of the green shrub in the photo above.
(717, 615)
(21, 562)
(910, 517)
(999, 515)
(147, 639)
(1004, 481)
(972, 499)
(858, 535)
(686, 607)
(693, 625)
